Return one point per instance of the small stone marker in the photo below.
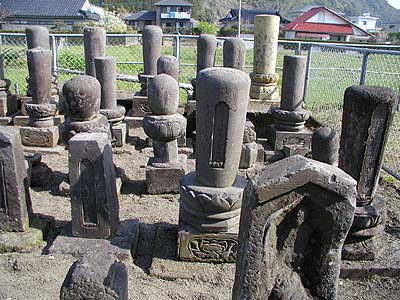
(98, 276)
(82, 98)
(295, 216)
(234, 53)
(94, 39)
(94, 200)
(325, 145)
(290, 135)
(169, 65)
(164, 126)
(250, 148)
(106, 70)
(263, 78)
(367, 116)
(211, 196)
(15, 202)
(41, 131)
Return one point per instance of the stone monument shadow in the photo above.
(58, 178)
(135, 187)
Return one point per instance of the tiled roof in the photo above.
(44, 8)
(144, 15)
(249, 14)
(173, 3)
(324, 28)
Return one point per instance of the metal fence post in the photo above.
(54, 55)
(297, 50)
(177, 47)
(364, 68)
(307, 71)
(1, 58)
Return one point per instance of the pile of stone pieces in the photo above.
(287, 224)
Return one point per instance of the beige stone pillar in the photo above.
(263, 78)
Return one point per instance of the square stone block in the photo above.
(119, 134)
(290, 150)
(40, 137)
(207, 247)
(12, 104)
(262, 91)
(134, 122)
(165, 180)
(5, 121)
(248, 156)
(261, 106)
(302, 138)
(140, 106)
(21, 120)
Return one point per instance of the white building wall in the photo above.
(326, 17)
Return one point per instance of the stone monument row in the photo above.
(211, 196)
(164, 125)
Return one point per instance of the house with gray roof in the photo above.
(19, 14)
(174, 14)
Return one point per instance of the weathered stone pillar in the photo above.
(169, 65)
(211, 196)
(164, 125)
(234, 53)
(106, 72)
(37, 36)
(295, 216)
(15, 202)
(249, 152)
(94, 39)
(263, 78)
(325, 145)
(40, 131)
(290, 135)
(367, 116)
(82, 97)
(94, 200)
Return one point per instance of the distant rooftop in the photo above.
(144, 15)
(173, 3)
(249, 14)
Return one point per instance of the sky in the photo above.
(394, 3)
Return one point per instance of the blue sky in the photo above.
(394, 3)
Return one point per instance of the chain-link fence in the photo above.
(331, 69)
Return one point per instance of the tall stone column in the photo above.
(82, 97)
(211, 196)
(164, 125)
(234, 53)
(106, 69)
(367, 117)
(94, 39)
(40, 131)
(264, 78)
(289, 135)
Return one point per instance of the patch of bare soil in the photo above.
(39, 276)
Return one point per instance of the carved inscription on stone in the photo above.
(88, 193)
(213, 248)
(220, 134)
(3, 191)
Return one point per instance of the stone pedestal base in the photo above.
(97, 125)
(21, 120)
(262, 91)
(133, 122)
(362, 248)
(40, 137)
(140, 106)
(5, 121)
(118, 133)
(206, 247)
(294, 139)
(166, 179)
(261, 106)
(248, 156)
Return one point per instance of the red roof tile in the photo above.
(304, 17)
(324, 28)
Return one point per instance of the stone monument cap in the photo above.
(163, 95)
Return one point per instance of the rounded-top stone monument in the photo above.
(37, 36)
(152, 41)
(234, 53)
(163, 95)
(168, 64)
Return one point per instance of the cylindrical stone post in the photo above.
(94, 39)
(293, 79)
(325, 145)
(169, 65)
(367, 116)
(266, 32)
(106, 71)
(222, 98)
(263, 78)
(206, 47)
(152, 41)
(37, 36)
(234, 53)
(39, 65)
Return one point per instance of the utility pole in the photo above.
(239, 17)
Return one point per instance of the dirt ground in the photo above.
(39, 276)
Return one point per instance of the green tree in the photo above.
(205, 27)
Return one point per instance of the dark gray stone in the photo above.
(94, 39)
(94, 200)
(222, 97)
(152, 41)
(293, 79)
(234, 53)
(169, 65)
(106, 72)
(249, 134)
(367, 116)
(206, 48)
(15, 202)
(37, 36)
(325, 145)
(295, 216)
(39, 65)
(96, 275)
(97, 125)
(248, 157)
(163, 95)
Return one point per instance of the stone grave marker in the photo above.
(234, 53)
(94, 39)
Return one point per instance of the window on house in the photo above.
(364, 22)
(391, 26)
